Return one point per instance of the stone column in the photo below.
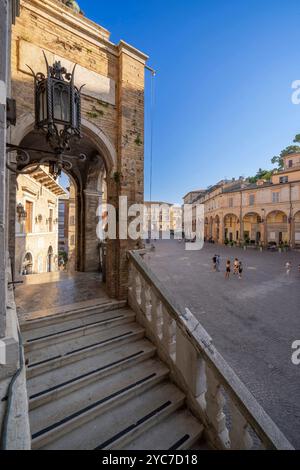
(91, 251)
(130, 171)
(221, 226)
(292, 232)
(3, 95)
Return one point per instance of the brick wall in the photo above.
(52, 27)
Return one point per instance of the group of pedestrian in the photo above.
(237, 266)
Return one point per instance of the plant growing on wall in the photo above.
(138, 141)
(95, 113)
(117, 176)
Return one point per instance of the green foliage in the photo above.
(278, 159)
(95, 113)
(117, 177)
(92, 115)
(261, 174)
(63, 255)
(138, 140)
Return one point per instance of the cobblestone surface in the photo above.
(253, 321)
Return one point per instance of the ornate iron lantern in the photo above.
(58, 116)
(57, 106)
(58, 113)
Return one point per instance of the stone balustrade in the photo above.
(232, 417)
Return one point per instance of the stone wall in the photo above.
(3, 93)
(112, 112)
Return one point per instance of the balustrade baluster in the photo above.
(154, 311)
(148, 304)
(240, 438)
(169, 333)
(215, 402)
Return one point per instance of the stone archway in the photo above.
(88, 179)
(231, 227)
(296, 234)
(252, 227)
(277, 227)
(216, 228)
(27, 264)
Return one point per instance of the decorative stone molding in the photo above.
(94, 85)
(126, 48)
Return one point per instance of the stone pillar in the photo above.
(129, 178)
(262, 232)
(91, 251)
(112, 245)
(222, 234)
(3, 94)
(292, 232)
(265, 239)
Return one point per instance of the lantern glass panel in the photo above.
(61, 103)
(76, 110)
(42, 105)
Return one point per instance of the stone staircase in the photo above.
(95, 382)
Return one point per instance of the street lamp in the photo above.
(57, 106)
(57, 116)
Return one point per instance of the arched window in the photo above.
(27, 265)
(50, 259)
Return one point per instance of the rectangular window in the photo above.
(231, 202)
(290, 163)
(50, 220)
(251, 200)
(275, 197)
(283, 179)
(29, 215)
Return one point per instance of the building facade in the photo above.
(67, 229)
(264, 213)
(37, 231)
(162, 219)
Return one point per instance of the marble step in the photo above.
(145, 406)
(49, 336)
(179, 431)
(68, 412)
(68, 352)
(55, 384)
(60, 314)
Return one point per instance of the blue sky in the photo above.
(223, 88)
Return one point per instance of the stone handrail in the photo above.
(232, 417)
(14, 420)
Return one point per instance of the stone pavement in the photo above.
(50, 290)
(253, 321)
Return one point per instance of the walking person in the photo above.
(288, 266)
(236, 266)
(228, 269)
(240, 270)
(218, 263)
(214, 261)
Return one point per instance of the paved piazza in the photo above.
(253, 321)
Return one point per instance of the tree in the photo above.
(261, 175)
(278, 160)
